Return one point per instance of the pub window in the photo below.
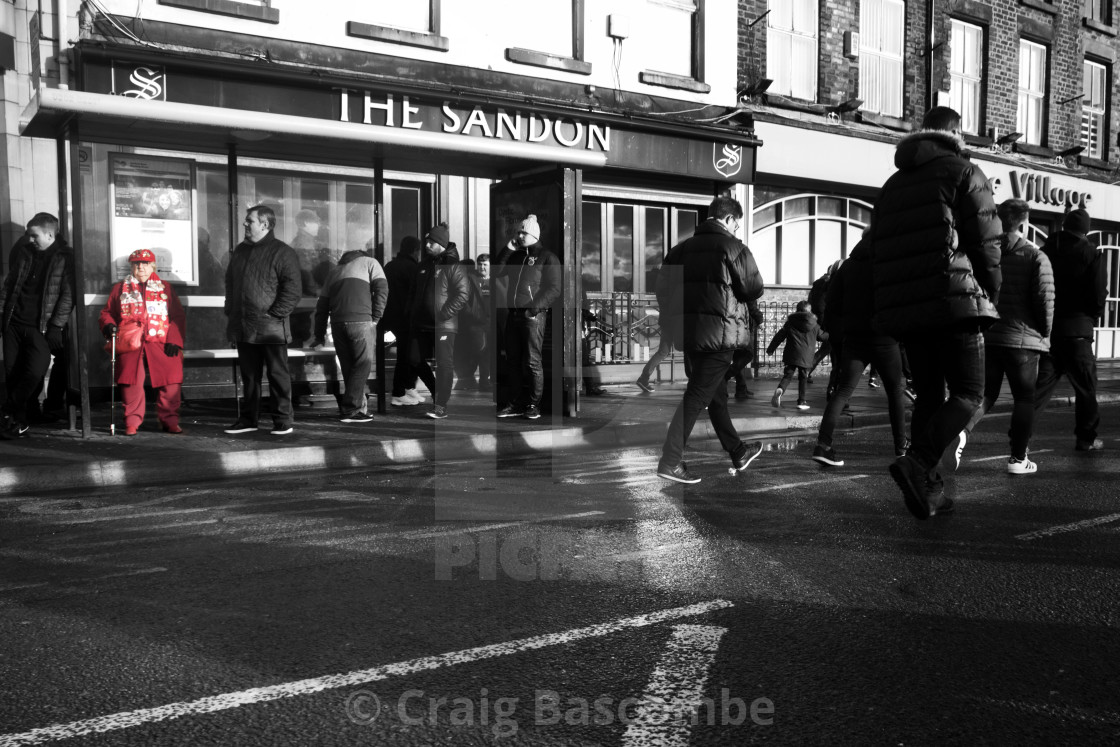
(882, 28)
(624, 244)
(1094, 109)
(796, 238)
(258, 10)
(966, 73)
(412, 22)
(557, 39)
(1031, 119)
(1099, 11)
(791, 48)
(671, 36)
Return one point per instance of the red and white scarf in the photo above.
(145, 304)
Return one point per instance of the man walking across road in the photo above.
(934, 239)
(35, 303)
(262, 289)
(1013, 344)
(704, 290)
(1080, 290)
(353, 296)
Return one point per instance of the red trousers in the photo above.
(167, 404)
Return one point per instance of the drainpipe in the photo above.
(63, 12)
(929, 54)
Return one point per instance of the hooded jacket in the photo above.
(851, 299)
(400, 272)
(800, 334)
(704, 288)
(1026, 299)
(58, 293)
(355, 291)
(263, 287)
(441, 292)
(1080, 284)
(935, 240)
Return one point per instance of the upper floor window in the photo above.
(966, 73)
(412, 22)
(882, 27)
(1094, 110)
(791, 47)
(408, 15)
(1099, 11)
(557, 38)
(256, 10)
(672, 37)
(1031, 120)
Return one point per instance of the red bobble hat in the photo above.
(142, 255)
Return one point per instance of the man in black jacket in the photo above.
(934, 236)
(262, 289)
(704, 292)
(533, 276)
(401, 273)
(1080, 290)
(35, 303)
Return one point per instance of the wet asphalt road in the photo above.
(559, 602)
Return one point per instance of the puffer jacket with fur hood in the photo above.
(1026, 299)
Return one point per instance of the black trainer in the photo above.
(679, 473)
(747, 453)
(911, 478)
(241, 426)
(826, 455)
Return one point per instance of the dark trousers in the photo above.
(471, 354)
(440, 346)
(787, 376)
(737, 368)
(404, 373)
(707, 387)
(254, 360)
(664, 348)
(524, 347)
(1021, 369)
(26, 359)
(856, 356)
(354, 343)
(940, 358)
(1072, 356)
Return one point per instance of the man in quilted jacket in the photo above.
(934, 238)
(263, 287)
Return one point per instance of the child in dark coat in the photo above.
(800, 334)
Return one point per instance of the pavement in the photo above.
(52, 458)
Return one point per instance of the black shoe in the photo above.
(645, 386)
(741, 394)
(1095, 445)
(281, 429)
(873, 383)
(358, 417)
(910, 394)
(747, 453)
(241, 426)
(826, 455)
(902, 450)
(532, 412)
(679, 473)
(509, 411)
(911, 478)
(596, 391)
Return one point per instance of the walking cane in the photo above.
(113, 388)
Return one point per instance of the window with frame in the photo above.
(673, 44)
(796, 238)
(411, 22)
(1099, 11)
(882, 30)
(407, 15)
(966, 73)
(1031, 119)
(791, 47)
(257, 10)
(557, 39)
(1094, 109)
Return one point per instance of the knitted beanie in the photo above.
(439, 234)
(531, 227)
(1077, 222)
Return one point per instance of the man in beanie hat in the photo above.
(1080, 289)
(442, 290)
(533, 276)
(401, 273)
(35, 303)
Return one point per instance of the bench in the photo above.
(215, 354)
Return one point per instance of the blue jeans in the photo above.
(354, 343)
(940, 358)
(707, 387)
(857, 354)
(1021, 368)
(1072, 356)
(524, 348)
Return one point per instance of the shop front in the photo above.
(168, 153)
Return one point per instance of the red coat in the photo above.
(163, 369)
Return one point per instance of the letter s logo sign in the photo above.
(727, 161)
(148, 82)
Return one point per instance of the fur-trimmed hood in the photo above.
(924, 146)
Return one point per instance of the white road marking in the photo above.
(676, 688)
(488, 527)
(1062, 528)
(786, 486)
(227, 701)
(1004, 457)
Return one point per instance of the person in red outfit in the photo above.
(145, 314)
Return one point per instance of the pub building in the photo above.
(168, 151)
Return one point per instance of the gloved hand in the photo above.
(54, 338)
(109, 330)
(170, 349)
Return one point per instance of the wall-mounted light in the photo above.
(755, 89)
(1062, 155)
(752, 23)
(1075, 97)
(1009, 138)
(846, 106)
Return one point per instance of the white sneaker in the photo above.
(404, 401)
(413, 394)
(1022, 466)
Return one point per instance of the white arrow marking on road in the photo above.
(226, 701)
(803, 484)
(1068, 527)
(676, 688)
